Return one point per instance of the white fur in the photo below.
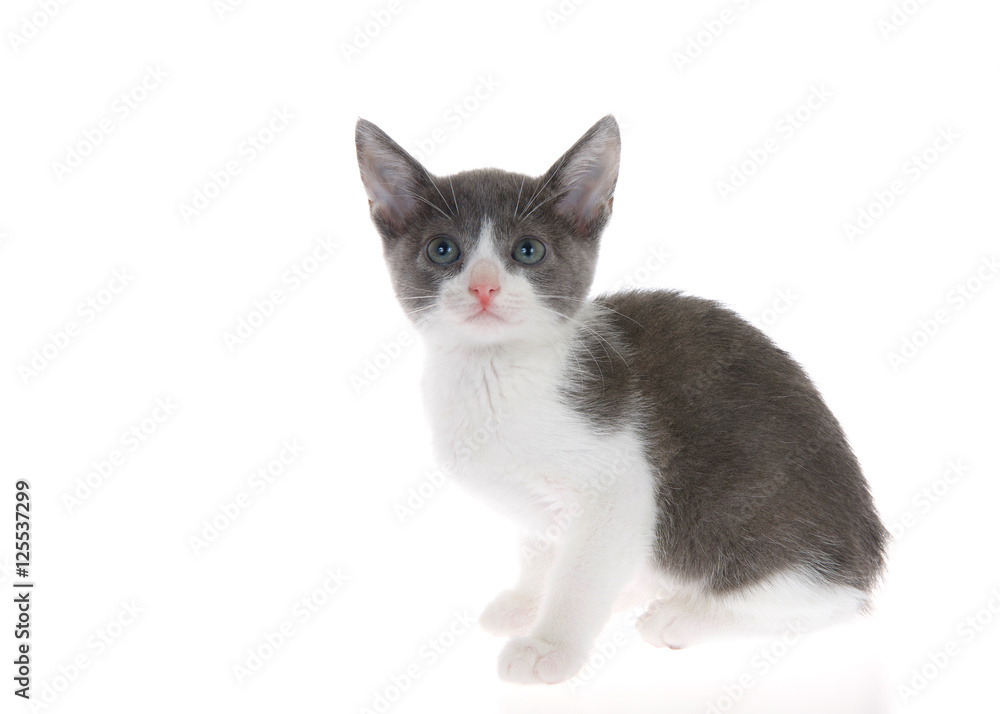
(686, 614)
(584, 499)
(543, 465)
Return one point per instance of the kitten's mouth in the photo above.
(484, 316)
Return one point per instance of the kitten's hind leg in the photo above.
(675, 623)
(782, 604)
(513, 611)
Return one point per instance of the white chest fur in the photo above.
(503, 428)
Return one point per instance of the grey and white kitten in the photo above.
(645, 441)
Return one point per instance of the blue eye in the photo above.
(529, 251)
(443, 250)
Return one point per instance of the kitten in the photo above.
(640, 439)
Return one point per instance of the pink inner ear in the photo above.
(387, 185)
(590, 182)
(393, 196)
(587, 173)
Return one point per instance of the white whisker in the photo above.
(601, 340)
(453, 194)
(542, 187)
(432, 205)
(439, 193)
(602, 306)
(555, 195)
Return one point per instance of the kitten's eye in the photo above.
(528, 251)
(443, 250)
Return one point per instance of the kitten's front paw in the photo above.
(529, 660)
(511, 613)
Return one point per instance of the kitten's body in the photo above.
(644, 437)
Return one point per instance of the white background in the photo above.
(775, 250)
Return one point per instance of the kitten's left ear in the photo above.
(587, 174)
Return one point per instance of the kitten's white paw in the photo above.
(664, 626)
(511, 613)
(529, 660)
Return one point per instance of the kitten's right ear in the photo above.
(393, 179)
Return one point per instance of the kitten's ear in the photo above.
(587, 174)
(393, 179)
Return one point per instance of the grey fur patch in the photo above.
(756, 475)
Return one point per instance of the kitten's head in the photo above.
(486, 256)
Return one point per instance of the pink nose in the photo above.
(484, 292)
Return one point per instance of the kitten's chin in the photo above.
(483, 329)
(486, 328)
